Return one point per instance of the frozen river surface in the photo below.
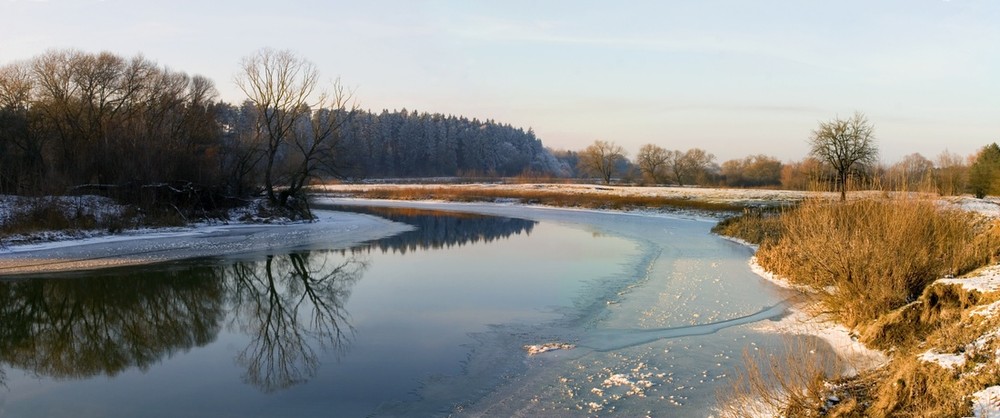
(429, 322)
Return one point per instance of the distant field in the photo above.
(621, 197)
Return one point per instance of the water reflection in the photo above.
(81, 327)
(290, 306)
(436, 229)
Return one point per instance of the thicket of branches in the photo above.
(69, 119)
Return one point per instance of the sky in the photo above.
(733, 77)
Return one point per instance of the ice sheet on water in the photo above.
(659, 339)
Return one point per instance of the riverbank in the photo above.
(145, 246)
(868, 268)
(800, 322)
(946, 356)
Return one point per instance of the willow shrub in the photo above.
(868, 257)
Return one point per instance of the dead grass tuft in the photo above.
(910, 324)
(792, 383)
(915, 388)
(755, 226)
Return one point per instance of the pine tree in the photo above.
(983, 173)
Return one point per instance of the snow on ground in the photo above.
(799, 321)
(856, 355)
(73, 206)
(748, 196)
(983, 281)
(989, 206)
(971, 350)
(330, 230)
(986, 403)
(946, 360)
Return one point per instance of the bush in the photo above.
(872, 256)
(755, 226)
(46, 214)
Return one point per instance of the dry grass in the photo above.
(792, 383)
(593, 200)
(755, 226)
(939, 306)
(46, 215)
(873, 261)
(910, 387)
(875, 255)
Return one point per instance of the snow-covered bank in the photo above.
(800, 321)
(331, 230)
(748, 197)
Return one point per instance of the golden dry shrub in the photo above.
(915, 388)
(870, 256)
(789, 382)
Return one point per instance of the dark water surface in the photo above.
(313, 332)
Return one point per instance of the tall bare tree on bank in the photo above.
(687, 167)
(300, 123)
(848, 145)
(652, 160)
(601, 158)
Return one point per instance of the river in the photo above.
(432, 321)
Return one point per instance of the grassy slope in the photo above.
(875, 265)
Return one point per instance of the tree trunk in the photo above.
(843, 187)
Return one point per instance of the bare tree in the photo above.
(687, 167)
(952, 174)
(601, 159)
(913, 172)
(753, 171)
(652, 160)
(675, 163)
(284, 91)
(848, 145)
(21, 158)
(697, 162)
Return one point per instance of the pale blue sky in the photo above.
(733, 77)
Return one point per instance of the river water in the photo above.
(430, 322)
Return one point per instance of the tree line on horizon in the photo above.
(948, 174)
(75, 122)
(72, 121)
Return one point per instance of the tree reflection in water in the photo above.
(85, 326)
(290, 306)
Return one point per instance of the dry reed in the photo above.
(792, 382)
(593, 200)
(871, 256)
